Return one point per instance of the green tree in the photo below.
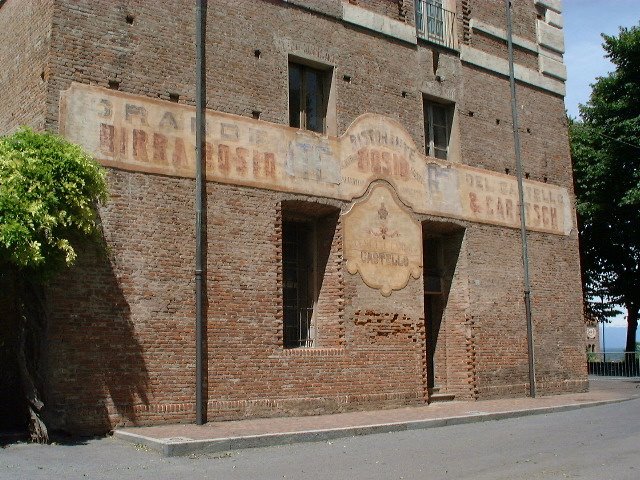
(49, 189)
(605, 147)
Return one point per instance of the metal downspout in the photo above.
(201, 8)
(523, 227)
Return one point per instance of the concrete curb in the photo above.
(178, 446)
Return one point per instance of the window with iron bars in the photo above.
(435, 23)
(298, 283)
(308, 294)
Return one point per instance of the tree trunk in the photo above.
(632, 327)
(32, 320)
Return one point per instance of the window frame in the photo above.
(429, 125)
(435, 19)
(324, 73)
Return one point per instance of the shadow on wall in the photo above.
(12, 407)
(441, 243)
(94, 366)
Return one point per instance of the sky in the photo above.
(584, 21)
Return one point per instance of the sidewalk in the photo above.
(185, 439)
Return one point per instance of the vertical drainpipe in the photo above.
(200, 136)
(523, 227)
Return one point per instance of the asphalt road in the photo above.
(592, 443)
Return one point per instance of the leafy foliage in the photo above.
(605, 148)
(48, 191)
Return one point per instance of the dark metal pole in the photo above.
(523, 225)
(200, 138)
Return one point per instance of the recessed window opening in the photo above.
(433, 265)
(308, 230)
(297, 283)
(438, 118)
(308, 97)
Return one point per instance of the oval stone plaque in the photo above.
(382, 241)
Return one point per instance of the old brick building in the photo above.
(362, 241)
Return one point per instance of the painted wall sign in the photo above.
(142, 134)
(382, 241)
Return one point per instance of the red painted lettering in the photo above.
(223, 158)
(545, 216)
(140, 145)
(489, 202)
(159, 148)
(554, 217)
(107, 135)
(270, 165)
(400, 166)
(508, 204)
(538, 218)
(256, 163)
(500, 208)
(179, 154)
(363, 160)
(386, 163)
(208, 153)
(473, 203)
(375, 161)
(241, 160)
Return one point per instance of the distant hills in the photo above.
(615, 338)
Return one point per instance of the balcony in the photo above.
(436, 24)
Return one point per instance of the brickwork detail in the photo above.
(25, 32)
(466, 21)
(122, 320)
(397, 9)
(385, 327)
(472, 358)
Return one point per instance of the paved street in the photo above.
(590, 443)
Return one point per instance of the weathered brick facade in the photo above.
(121, 336)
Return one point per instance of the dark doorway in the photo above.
(441, 245)
(13, 414)
(433, 302)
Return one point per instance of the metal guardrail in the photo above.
(614, 364)
(436, 24)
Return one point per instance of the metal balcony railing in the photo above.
(436, 24)
(614, 364)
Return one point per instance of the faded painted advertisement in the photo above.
(142, 134)
(382, 241)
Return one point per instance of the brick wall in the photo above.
(485, 117)
(402, 10)
(25, 29)
(123, 318)
(523, 16)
